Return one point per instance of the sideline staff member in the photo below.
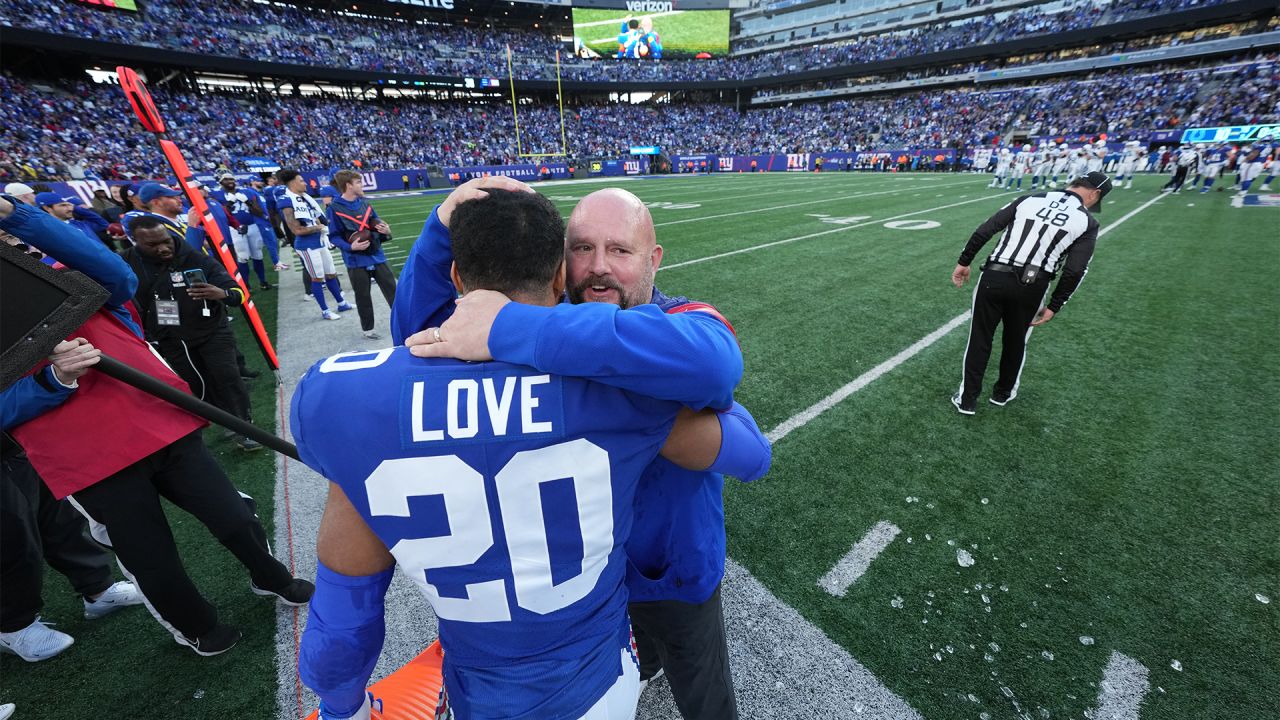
(1043, 233)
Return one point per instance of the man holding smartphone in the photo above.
(181, 297)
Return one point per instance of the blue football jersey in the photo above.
(506, 495)
(236, 202)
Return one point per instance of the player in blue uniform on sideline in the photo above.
(505, 492)
(244, 205)
(664, 347)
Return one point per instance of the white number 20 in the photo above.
(518, 486)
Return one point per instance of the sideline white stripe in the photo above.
(866, 378)
(844, 228)
(1124, 685)
(783, 207)
(855, 563)
(863, 380)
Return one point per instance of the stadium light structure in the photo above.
(144, 107)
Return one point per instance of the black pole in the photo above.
(147, 384)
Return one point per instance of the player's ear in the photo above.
(560, 281)
(657, 257)
(457, 279)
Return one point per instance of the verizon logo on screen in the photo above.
(651, 6)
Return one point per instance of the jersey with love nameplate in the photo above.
(506, 495)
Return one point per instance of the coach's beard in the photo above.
(593, 286)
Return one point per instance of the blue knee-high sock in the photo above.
(244, 272)
(1208, 183)
(1244, 186)
(336, 288)
(260, 269)
(317, 291)
(1269, 179)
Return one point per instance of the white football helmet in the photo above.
(1026, 148)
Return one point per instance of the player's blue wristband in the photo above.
(744, 450)
(343, 638)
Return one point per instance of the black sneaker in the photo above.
(215, 642)
(964, 408)
(1001, 400)
(265, 286)
(297, 593)
(249, 374)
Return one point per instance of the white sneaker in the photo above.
(330, 315)
(121, 594)
(6, 711)
(371, 334)
(35, 642)
(282, 266)
(1266, 188)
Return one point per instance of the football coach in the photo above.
(1043, 234)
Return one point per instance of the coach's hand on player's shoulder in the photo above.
(1044, 316)
(474, 190)
(960, 275)
(465, 336)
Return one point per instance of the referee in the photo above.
(1043, 233)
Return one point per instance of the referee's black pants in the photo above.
(688, 642)
(360, 281)
(35, 529)
(127, 506)
(1000, 298)
(1179, 177)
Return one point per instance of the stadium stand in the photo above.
(315, 37)
(57, 131)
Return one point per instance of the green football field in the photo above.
(1124, 505)
(683, 33)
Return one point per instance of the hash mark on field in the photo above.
(858, 559)
(1124, 685)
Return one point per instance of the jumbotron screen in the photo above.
(131, 5)
(650, 36)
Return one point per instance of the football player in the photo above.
(1215, 158)
(505, 493)
(243, 204)
(1128, 166)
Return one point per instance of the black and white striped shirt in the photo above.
(1050, 230)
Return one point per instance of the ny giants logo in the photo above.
(649, 6)
(371, 179)
(85, 188)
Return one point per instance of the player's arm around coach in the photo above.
(1042, 234)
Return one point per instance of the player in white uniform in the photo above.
(1042, 163)
(1021, 166)
(1128, 163)
(1004, 159)
(1094, 156)
(1079, 162)
(1061, 163)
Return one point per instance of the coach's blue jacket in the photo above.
(677, 545)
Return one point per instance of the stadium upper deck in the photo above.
(429, 46)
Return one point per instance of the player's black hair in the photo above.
(633, 23)
(286, 175)
(511, 242)
(145, 222)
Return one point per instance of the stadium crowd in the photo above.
(249, 30)
(77, 129)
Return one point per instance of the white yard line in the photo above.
(802, 418)
(1124, 685)
(843, 228)
(791, 205)
(857, 560)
